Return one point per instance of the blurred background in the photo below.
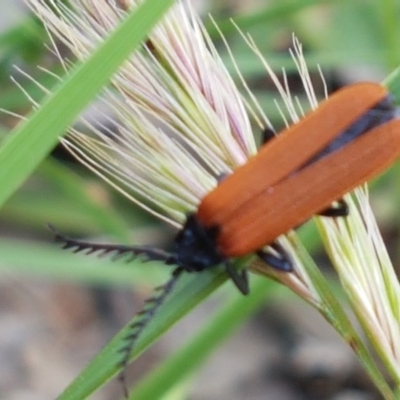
(57, 309)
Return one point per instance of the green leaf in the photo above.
(181, 364)
(190, 291)
(23, 149)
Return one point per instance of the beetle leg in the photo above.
(280, 261)
(267, 134)
(339, 210)
(239, 278)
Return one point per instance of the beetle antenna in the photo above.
(142, 320)
(77, 246)
(151, 305)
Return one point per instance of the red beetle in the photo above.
(350, 138)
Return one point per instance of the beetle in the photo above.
(350, 138)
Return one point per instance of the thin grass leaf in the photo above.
(23, 149)
(393, 84)
(190, 291)
(186, 360)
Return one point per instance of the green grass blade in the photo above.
(181, 364)
(393, 84)
(190, 291)
(23, 150)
